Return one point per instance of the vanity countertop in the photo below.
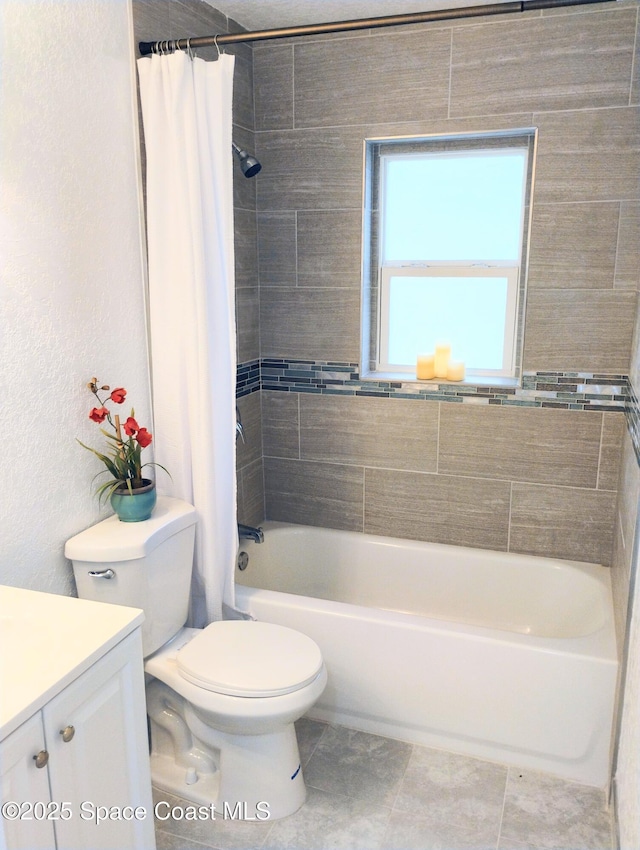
(46, 641)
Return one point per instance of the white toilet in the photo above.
(222, 700)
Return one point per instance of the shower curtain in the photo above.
(186, 109)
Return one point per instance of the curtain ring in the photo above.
(215, 44)
(189, 50)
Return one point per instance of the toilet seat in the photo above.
(249, 659)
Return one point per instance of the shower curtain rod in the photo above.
(148, 47)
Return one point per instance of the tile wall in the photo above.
(298, 270)
(491, 476)
(515, 473)
(483, 472)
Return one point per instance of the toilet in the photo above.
(222, 701)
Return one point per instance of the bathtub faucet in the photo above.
(248, 532)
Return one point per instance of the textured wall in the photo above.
(70, 263)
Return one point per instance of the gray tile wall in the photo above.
(540, 481)
(569, 73)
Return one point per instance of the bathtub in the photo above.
(505, 657)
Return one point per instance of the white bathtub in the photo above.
(505, 657)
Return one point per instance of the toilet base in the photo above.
(169, 777)
(244, 777)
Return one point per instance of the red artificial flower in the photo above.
(99, 414)
(143, 437)
(118, 395)
(131, 427)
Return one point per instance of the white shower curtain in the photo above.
(187, 117)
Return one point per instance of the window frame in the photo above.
(510, 272)
(374, 364)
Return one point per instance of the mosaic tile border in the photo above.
(633, 420)
(563, 390)
(248, 378)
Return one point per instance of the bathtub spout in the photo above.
(248, 532)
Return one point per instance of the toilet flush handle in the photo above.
(102, 573)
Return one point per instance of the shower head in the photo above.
(249, 164)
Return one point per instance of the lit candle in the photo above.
(455, 371)
(441, 360)
(424, 367)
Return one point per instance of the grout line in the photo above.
(392, 805)
(597, 487)
(299, 428)
(504, 803)
(634, 59)
(293, 86)
(511, 483)
(618, 236)
(364, 498)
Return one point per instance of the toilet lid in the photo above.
(245, 658)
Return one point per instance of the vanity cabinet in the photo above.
(77, 769)
(22, 781)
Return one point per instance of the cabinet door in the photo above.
(27, 785)
(101, 765)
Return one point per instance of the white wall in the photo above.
(71, 279)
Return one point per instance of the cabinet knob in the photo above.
(67, 733)
(41, 759)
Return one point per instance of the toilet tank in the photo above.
(140, 564)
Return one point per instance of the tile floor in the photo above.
(371, 793)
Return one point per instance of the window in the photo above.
(446, 235)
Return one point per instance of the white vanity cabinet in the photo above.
(22, 781)
(74, 763)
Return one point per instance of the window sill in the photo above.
(474, 381)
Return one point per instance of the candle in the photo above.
(441, 359)
(424, 367)
(455, 371)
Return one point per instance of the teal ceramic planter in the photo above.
(136, 506)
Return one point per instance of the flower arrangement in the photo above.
(125, 443)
